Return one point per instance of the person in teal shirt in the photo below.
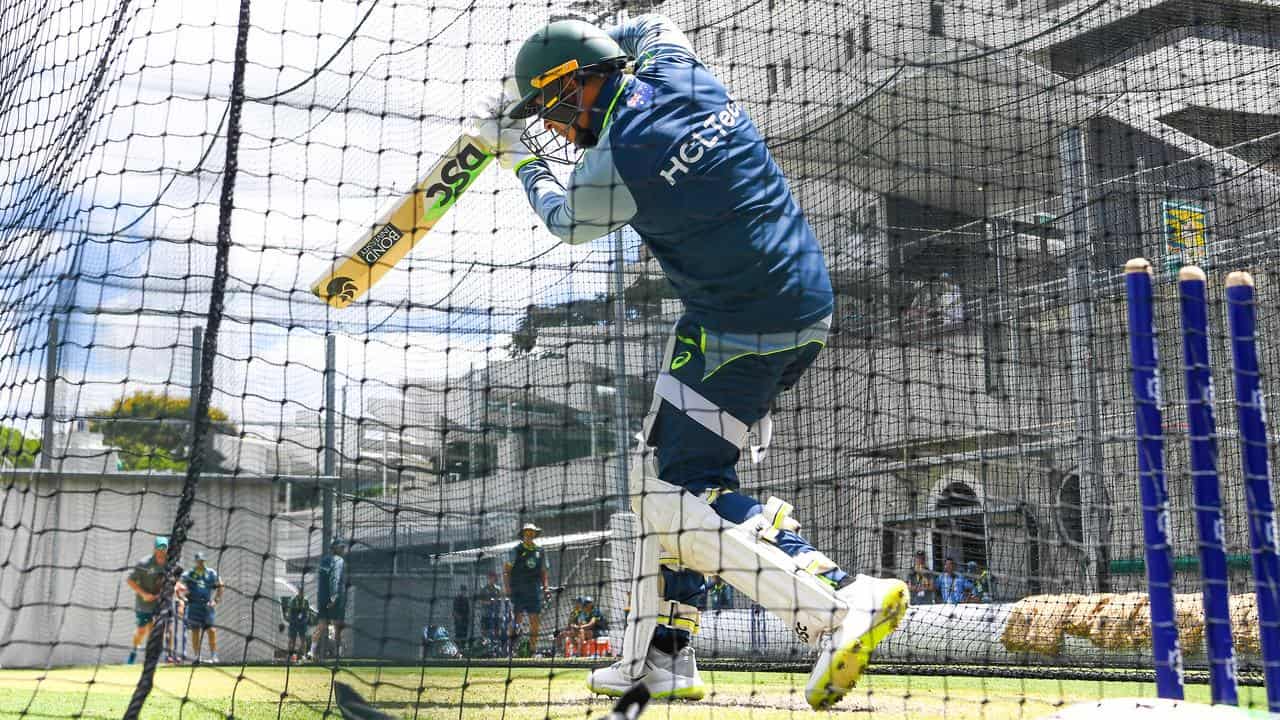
(204, 592)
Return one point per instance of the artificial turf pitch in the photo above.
(495, 693)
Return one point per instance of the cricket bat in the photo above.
(400, 228)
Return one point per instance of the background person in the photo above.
(493, 617)
(980, 578)
(204, 592)
(570, 632)
(331, 597)
(719, 594)
(592, 622)
(175, 636)
(145, 580)
(525, 575)
(462, 617)
(952, 586)
(920, 581)
(298, 617)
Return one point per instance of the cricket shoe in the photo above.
(875, 609)
(674, 676)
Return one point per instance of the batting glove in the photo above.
(499, 133)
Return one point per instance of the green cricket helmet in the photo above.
(548, 70)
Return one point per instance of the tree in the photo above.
(525, 336)
(153, 431)
(16, 449)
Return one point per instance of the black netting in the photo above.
(184, 353)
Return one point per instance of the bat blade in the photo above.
(396, 233)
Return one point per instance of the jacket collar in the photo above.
(606, 101)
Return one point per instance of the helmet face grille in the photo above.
(561, 107)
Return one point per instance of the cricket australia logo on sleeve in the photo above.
(379, 244)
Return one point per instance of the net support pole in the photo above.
(197, 345)
(1148, 406)
(1084, 391)
(1251, 413)
(330, 375)
(1206, 488)
(50, 390)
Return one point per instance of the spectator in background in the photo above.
(952, 586)
(493, 623)
(719, 594)
(980, 578)
(175, 641)
(298, 616)
(526, 583)
(919, 581)
(950, 301)
(331, 596)
(570, 632)
(592, 623)
(462, 617)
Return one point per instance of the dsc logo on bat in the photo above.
(456, 174)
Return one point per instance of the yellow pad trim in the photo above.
(679, 623)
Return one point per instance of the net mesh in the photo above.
(976, 176)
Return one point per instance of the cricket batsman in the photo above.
(659, 144)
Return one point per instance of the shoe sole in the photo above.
(693, 692)
(847, 663)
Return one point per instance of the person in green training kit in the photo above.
(297, 614)
(145, 580)
(526, 583)
(658, 143)
(331, 597)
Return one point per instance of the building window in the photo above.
(993, 356)
(936, 26)
(786, 73)
(720, 42)
(771, 72)
(866, 36)
(1070, 515)
(850, 42)
(889, 552)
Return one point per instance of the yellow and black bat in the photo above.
(396, 232)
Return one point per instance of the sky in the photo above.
(116, 183)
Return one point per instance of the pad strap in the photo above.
(679, 616)
(776, 517)
(814, 562)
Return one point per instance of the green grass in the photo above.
(529, 694)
